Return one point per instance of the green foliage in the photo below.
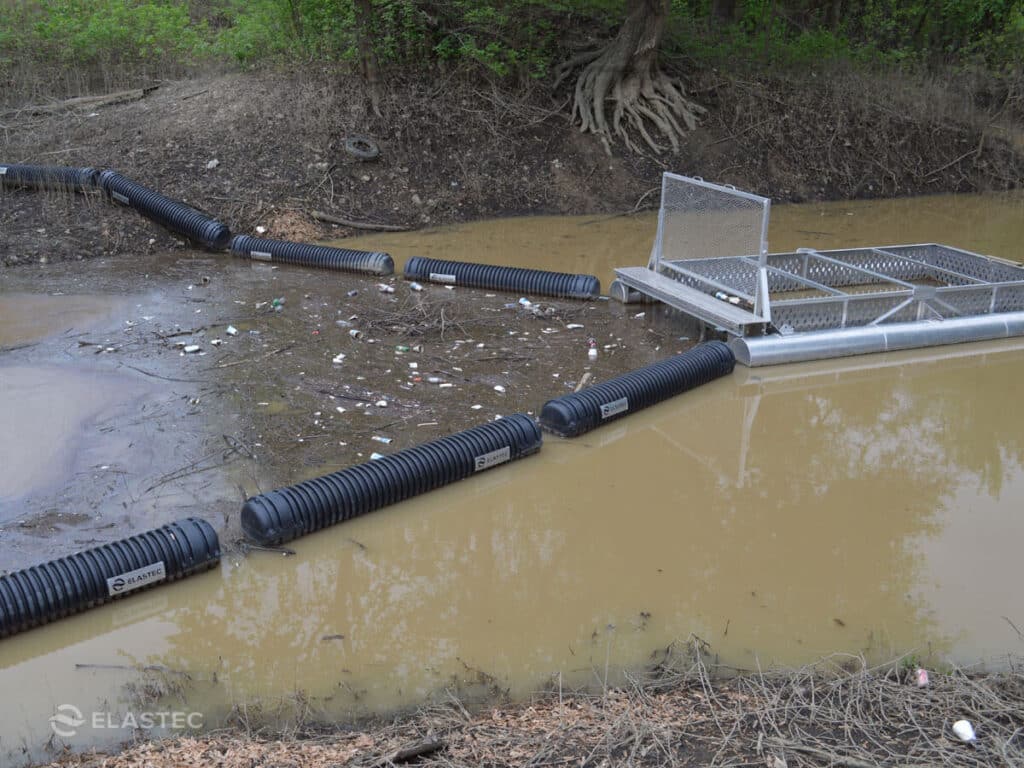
(88, 31)
(514, 39)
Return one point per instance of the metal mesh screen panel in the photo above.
(701, 220)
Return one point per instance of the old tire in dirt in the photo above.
(362, 148)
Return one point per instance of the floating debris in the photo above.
(339, 358)
(231, 330)
(189, 349)
(381, 439)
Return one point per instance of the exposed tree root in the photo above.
(648, 105)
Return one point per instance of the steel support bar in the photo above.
(818, 345)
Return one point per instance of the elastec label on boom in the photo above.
(614, 408)
(437, 277)
(140, 577)
(492, 459)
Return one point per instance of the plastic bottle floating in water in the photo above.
(592, 349)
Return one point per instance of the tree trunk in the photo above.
(835, 16)
(625, 72)
(367, 56)
(722, 12)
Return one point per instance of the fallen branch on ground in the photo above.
(332, 219)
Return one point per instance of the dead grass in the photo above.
(840, 712)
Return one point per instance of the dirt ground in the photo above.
(268, 149)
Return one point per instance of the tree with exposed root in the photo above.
(645, 101)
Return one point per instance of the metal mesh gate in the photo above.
(700, 223)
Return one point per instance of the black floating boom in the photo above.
(343, 259)
(287, 513)
(513, 279)
(173, 214)
(574, 414)
(68, 585)
(48, 177)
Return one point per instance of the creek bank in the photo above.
(268, 149)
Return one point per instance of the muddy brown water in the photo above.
(865, 506)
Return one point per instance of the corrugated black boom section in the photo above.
(343, 259)
(574, 414)
(173, 214)
(287, 513)
(512, 279)
(49, 177)
(59, 588)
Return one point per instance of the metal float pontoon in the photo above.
(710, 260)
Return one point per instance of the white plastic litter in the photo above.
(339, 358)
(964, 730)
(191, 348)
(231, 330)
